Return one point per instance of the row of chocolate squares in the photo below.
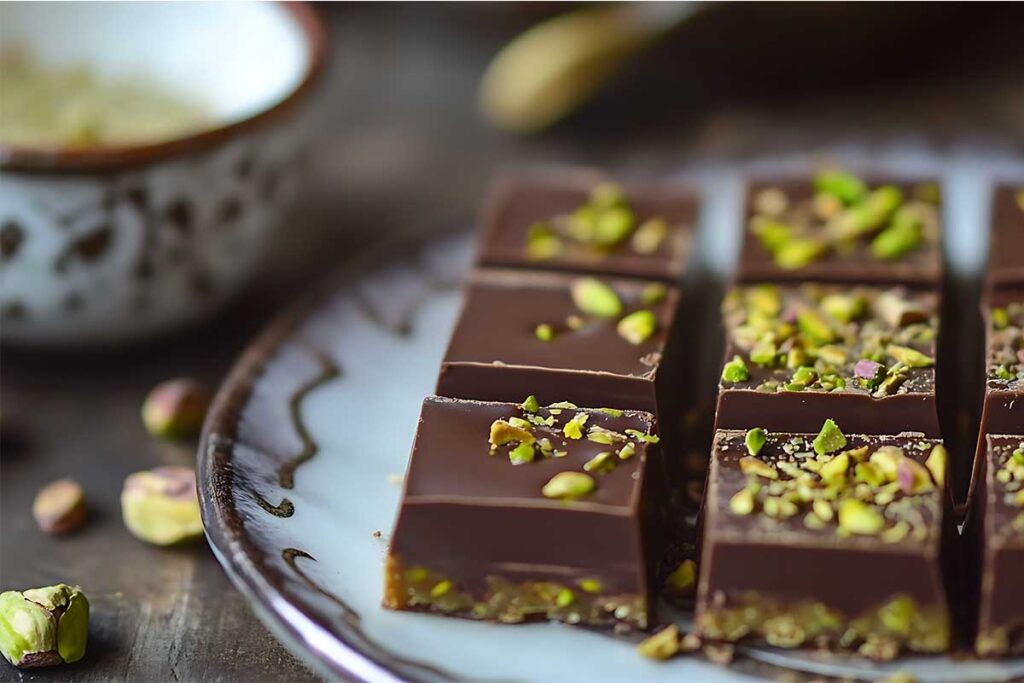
(517, 512)
(826, 226)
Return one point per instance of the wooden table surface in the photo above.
(401, 148)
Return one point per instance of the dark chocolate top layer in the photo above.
(866, 491)
(503, 309)
(836, 227)
(581, 220)
(1004, 316)
(1006, 249)
(1005, 491)
(455, 459)
(859, 340)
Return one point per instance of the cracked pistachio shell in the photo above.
(44, 626)
(160, 506)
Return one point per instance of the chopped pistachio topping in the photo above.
(531, 405)
(830, 439)
(936, 463)
(735, 371)
(755, 439)
(649, 236)
(752, 465)
(627, 451)
(653, 294)
(523, 453)
(614, 412)
(857, 517)
(569, 485)
(742, 503)
(596, 298)
(908, 356)
(637, 327)
(641, 436)
(542, 242)
(842, 185)
(602, 463)
(573, 429)
(544, 332)
(1006, 343)
(662, 645)
(440, 589)
(503, 432)
(599, 434)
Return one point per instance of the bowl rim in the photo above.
(93, 160)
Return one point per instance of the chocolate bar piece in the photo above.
(516, 512)
(1003, 410)
(828, 541)
(581, 220)
(797, 355)
(1000, 524)
(1006, 249)
(837, 227)
(560, 337)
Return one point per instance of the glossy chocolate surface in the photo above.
(469, 514)
(1001, 557)
(784, 327)
(495, 353)
(1006, 247)
(785, 558)
(849, 261)
(519, 201)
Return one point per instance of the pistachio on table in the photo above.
(160, 506)
(59, 507)
(175, 409)
(44, 626)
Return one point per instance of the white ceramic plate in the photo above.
(305, 441)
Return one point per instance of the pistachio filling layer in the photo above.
(824, 339)
(879, 632)
(845, 215)
(584, 601)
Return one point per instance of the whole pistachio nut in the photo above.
(160, 506)
(59, 507)
(44, 626)
(175, 409)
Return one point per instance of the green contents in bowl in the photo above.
(44, 106)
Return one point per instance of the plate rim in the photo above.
(325, 649)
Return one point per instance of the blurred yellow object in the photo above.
(551, 69)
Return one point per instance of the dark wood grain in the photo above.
(401, 148)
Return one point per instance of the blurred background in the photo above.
(399, 144)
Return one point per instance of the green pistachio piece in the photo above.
(44, 626)
(607, 437)
(898, 615)
(764, 353)
(869, 474)
(565, 597)
(755, 440)
(830, 439)
(822, 509)
(751, 465)
(898, 311)
(531, 405)
(627, 451)
(772, 233)
(573, 429)
(662, 645)
(607, 194)
(936, 463)
(804, 376)
(834, 470)
(567, 405)
(764, 299)
(832, 354)
(503, 432)
(637, 327)
(798, 253)
(844, 186)
(160, 506)
(521, 454)
(520, 423)
(683, 578)
(795, 358)
(735, 371)
(815, 326)
(543, 243)
(909, 356)
(596, 298)
(574, 322)
(614, 412)
(175, 409)
(602, 463)
(857, 517)
(905, 234)
(569, 485)
(544, 332)
(843, 307)
(649, 236)
(441, 589)
(742, 503)
(613, 225)
(653, 293)
(640, 436)
(867, 215)
(1004, 372)
(1000, 318)
(590, 585)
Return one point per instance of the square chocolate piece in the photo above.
(797, 355)
(1003, 410)
(1000, 521)
(1006, 248)
(521, 512)
(581, 220)
(826, 541)
(837, 227)
(562, 337)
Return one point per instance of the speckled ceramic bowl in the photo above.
(108, 243)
